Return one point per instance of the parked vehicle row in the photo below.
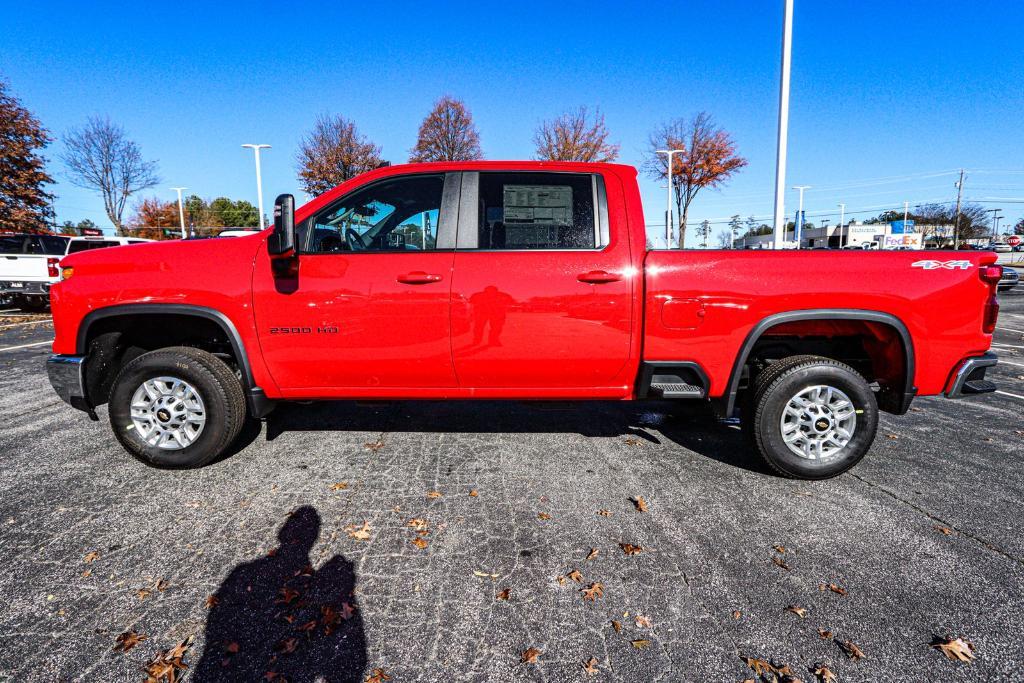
(29, 264)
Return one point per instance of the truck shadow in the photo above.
(276, 613)
(691, 426)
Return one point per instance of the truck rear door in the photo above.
(542, 288)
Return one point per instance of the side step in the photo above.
(676, 390)
(978, 386)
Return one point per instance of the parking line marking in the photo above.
(1009, 329)
(1006, 362)
(34, 322)
(25, 346)
(1007, 346)
(1007, 393)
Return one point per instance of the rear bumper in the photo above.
(67, 377)
(24, 287)
(969, 378)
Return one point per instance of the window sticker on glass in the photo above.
(530, 204)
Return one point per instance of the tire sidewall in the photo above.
(149, 366)
(774, 401)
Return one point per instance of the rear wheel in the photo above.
(177, 407)
(811, 417)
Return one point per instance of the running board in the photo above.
(675, 390)
(671, 380)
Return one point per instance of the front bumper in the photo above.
(969, 379)
(67, 377)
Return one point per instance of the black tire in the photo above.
(772, 390)
(212, 379)
(32, 304)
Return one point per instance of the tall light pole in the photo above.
(780, 154)
(799, 223)
(842, 230)
(668, 196)
(259, 179)
(181, 209)
(956, 221)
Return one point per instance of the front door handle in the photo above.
(598, 277)
(418, 277)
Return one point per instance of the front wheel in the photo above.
(177, 407)
(812, 417)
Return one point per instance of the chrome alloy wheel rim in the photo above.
(168, 412)
(818, 422)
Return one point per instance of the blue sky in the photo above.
(885, 95)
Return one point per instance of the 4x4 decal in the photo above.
(931, 264)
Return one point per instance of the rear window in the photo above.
(85, 245)
(14, 244)
(537, 211)
(54, 246)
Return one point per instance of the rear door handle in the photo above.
(598, 277)
(418, 277)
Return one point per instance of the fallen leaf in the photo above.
(832, 587)
(779, 562)
(799, 611)
(593, 591)
(736, 614)
(484, 575)
(87, 573)
(374, 446)
(851, 649)
(340, 486)
(543, 516)
(632, 441)
(529, 656)
(824, 674)
(359, 533)
(590, 666)
(823, 634)
(127, 640)
(143, 593)
(433, 494)
(640, 643)
(591, 555)
(617, 626)
(892, 436)
(417, 523)
(91, 557)
(165, 664)
(560, 580)
(211, 601)
(287, 646)
(642, 621)
(604, 513)
(420, 542)
(631, 549)
(504, 595)
(287, 595)
(377, 676)
(779, 548)
(758, 666)
(473, 493)
(955, 649)
(575, 576)
(161, 585)
(232, 648)
(943, 530)
(640, 504)
(307, 627)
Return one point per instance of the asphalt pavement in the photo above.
(441, 541)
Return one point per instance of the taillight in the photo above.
(991, 276)
(51, 267)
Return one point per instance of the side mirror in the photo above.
(282, 241)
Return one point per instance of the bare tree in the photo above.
(708, 159)
(99, 156)
(332, 153)
(574, 137)
(447, 134)
(725, 239)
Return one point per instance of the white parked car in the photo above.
(30, 264)
(237, 232)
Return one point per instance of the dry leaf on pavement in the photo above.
(591, 555)
(593, 591)
(374, 446)
(617, 625)
(736, 614)
(799, 611)
(758, 666)
(642, 621)
(955, 649)
(211, 601)
(779, 548)
(575, 576)
(590, 666)
(543, 516)
(91, 557)
(165, 664)
(504, 595)
(943, 530)
(359, 533)
(779, 562)
(825, 674)
(473, 493)
(824, 634)
(433, 494)
(420, 542)
(339, 486)
(851, 649)
(377, 676)
(127, 640)
(839, 590)
(631, 549)
(640, 504)
(529, 656)
(604, 513)
(640, 644)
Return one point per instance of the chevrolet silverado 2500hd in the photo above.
(512, 280)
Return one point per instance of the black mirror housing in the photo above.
(282, 240)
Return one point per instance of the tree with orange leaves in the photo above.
(151, 216)
(25, 205)
(447, 134)
(574, 137)
(708, 158)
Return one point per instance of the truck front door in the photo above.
(543, 289)
(368, 313)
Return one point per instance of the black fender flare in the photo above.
(908, 392)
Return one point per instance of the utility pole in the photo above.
(956, 220)
(181, 210)
(842, 229)
(798, 224)
(995, 222)
(783, 133)
(668, 196)
(259, 180)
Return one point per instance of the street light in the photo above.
(842, 229)
(259, 179)
(668, 195)
(798, 224)
(780, 154)
(181, 210)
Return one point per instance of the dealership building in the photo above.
(892, 235)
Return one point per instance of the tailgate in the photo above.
(24, 268)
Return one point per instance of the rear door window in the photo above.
(525, 211)
(53, 245)
(85, 245)
(14, 244)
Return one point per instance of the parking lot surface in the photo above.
(461, 541)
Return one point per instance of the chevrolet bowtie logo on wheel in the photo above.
(931, 264)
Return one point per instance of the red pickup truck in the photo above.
(512, 280)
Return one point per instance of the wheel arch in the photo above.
(905, 393)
